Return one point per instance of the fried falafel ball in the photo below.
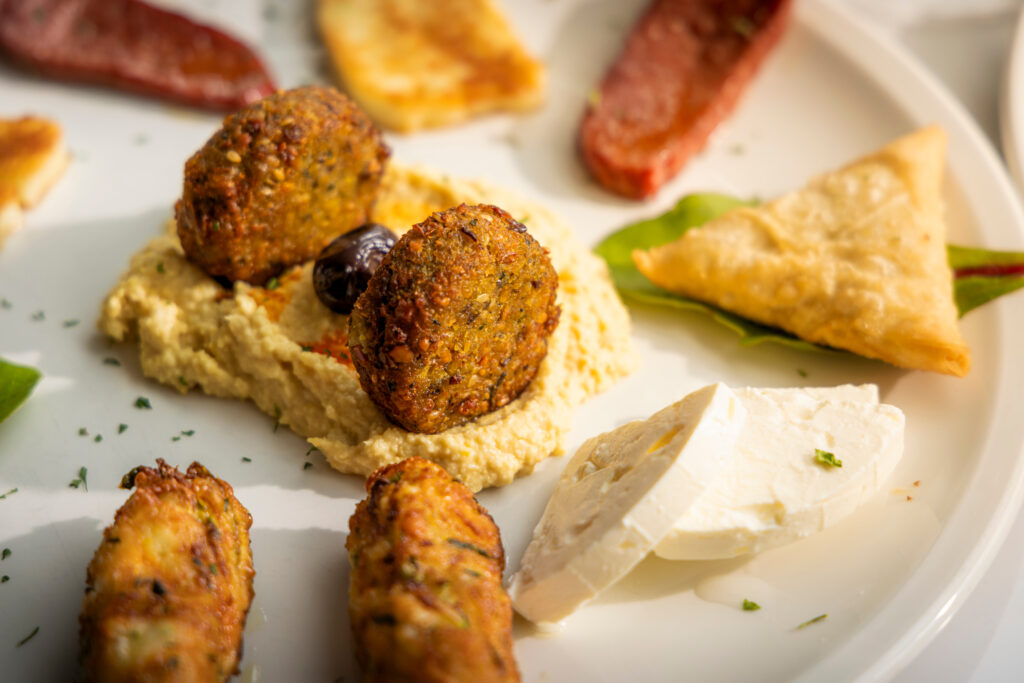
(455, 321)
(279, 180)
(169, 588)
(425, 595)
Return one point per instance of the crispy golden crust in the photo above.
(455, 321)
(414, 64)
(278, 181)
(425, 597)
(168, 590)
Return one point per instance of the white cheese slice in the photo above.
(774, 491)
(618, 496)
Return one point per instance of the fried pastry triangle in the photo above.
(855, 260)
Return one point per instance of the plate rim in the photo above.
(919, 94)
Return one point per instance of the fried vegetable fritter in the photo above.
(168, 590)
(279, 180)
(425, 596)
(455, 321)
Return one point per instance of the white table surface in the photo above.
(984, 641)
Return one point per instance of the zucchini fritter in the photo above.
(279, 180)
(425, 596)
(168, 590)
(455, 321)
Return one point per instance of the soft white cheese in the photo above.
(774, 492)
(618, 496)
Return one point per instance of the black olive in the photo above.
(345, 266)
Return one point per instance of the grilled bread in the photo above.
(32, 158)
(855, 260)
(414, 64)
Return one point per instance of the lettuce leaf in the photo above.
(980, 275)
(16, 383)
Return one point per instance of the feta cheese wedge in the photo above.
(618, 496)
(774, 491)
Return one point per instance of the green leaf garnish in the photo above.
(81, 479)
(143, 403)
(980, 275)
(750, 605)
(28, 637)
(9, 493)
(16, 383)
(827, 459)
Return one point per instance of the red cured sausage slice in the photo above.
(681, 72)
(133, 46)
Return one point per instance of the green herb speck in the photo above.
(4, 578)
(468, 546)
(70, 323)
(28, 637)
(143, 403)
(815, 620)
(4, 303)
(306, 465)
(750, 605)
(111, 361)
(82, 431)
(188, 432)
(827, 459)
(273, 284)
(39, 315)
(160, 268)
(182, 381)
(81, 480)
(246, 458)
(175, 438)
(5, 553)
(121, 428)
(801, 372)
(98, 438)
(9, 493)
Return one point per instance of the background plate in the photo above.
(888, 577)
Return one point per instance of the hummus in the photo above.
(281, 348)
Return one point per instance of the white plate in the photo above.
(889, 577)
(1011, 105)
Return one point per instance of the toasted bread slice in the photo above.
(413, 64)
(855, 260)
(32, 158)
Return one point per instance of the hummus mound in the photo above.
(284, 350)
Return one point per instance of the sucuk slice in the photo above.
(618, 496)
(682, 70)
(773, 491)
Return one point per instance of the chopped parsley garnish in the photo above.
(815, 620)
(188, 432)
(4, 578)
(9, 493)
(246, 458)
(827, 459)
(306, 348)
(82, 431)
(70, 323)
(801, 372)
(175, 438)
(80, 480)
(143, 403)
(98, 438)
(122, 428)
(28, 637)
(5, 553)
(311, 449)
(111, 361)
(750, 605)
(39, 315)
(468, 546)
(306, 465)
(272, 284)
(160, 268)
(182, 381)
(4, 303)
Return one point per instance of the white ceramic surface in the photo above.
(889, 577)
(1011, 106)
